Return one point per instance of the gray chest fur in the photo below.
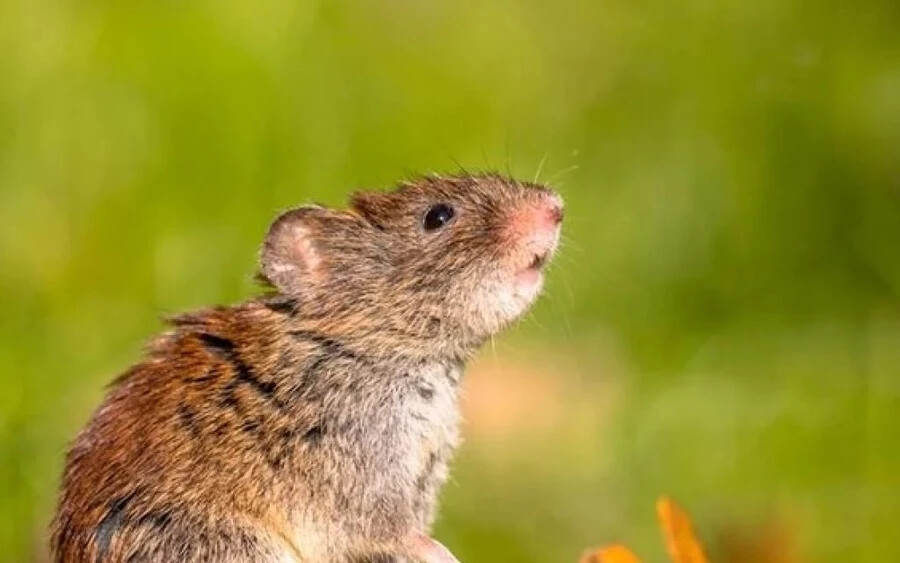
(386, 455)
(431, 431)
(413, 433)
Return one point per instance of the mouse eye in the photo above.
(437, 216)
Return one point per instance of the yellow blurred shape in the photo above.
(678, 532)
(611, 554)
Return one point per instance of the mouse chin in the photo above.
(528, 282)
(504, 301)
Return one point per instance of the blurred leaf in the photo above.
(678, 532)
(681, 543)
(611, 554)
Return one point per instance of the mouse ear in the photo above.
(290, 255)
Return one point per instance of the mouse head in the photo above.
(440, 262)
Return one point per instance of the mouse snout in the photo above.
(543, 217)
(553, 210)
(535, 226)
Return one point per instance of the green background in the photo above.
(723, 322)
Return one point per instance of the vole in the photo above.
(313, 423)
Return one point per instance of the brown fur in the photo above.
(315, 423)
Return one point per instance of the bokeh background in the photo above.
(722, 325)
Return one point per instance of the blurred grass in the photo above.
(722, 325)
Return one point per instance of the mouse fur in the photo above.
(315, 422)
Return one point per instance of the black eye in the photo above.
(437, 216)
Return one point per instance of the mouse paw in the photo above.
(429, 550)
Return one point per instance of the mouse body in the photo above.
(314, 423)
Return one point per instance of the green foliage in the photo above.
(731, 264)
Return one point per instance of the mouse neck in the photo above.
(384, 335)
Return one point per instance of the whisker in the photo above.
(569, 292)
(508, 158)
(456, 162)
(561, 312)
(533, 318)
(567, 243)
(562, 172)
(540, 167)
(487, 161)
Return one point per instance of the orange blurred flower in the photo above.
(678, 533)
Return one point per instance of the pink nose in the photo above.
(552, 212)
(539, 220)
(555, 213)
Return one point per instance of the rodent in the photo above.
(314, 422)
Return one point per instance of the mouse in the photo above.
(316, 421)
